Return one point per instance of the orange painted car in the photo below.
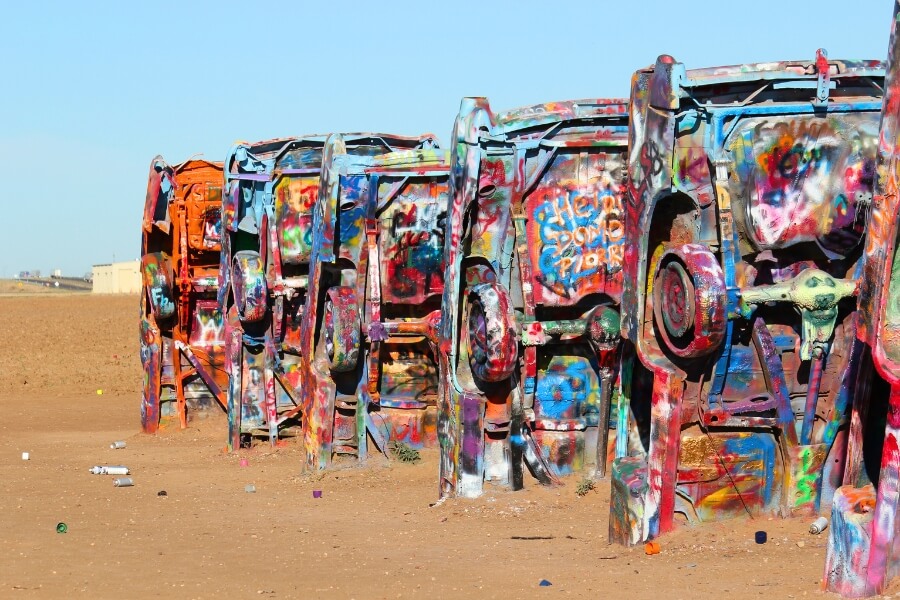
(182, 343)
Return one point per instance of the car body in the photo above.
(861, 556)
(748, 190)
(271, 189)
(182, 337)
(530, 328)
(367, 355)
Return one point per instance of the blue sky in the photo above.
(93, 90)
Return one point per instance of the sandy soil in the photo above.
(372, 534)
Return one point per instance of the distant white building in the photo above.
(117, 278)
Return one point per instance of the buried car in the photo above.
(530, 328)
(271, 189)
(748, 192)
(368, 333)
(862, 555)
(182, 341)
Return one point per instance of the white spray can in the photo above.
(104, 470)
(123, 482)
(818, 526)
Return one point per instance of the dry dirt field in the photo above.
(372, 534)
(10, 287)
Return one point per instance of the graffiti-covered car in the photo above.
(182, 340)
(748, 194)
(367, 355)
(270, 190)
(530, 329)
(861, 556)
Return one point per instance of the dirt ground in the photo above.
(373, 534)
(11, 287)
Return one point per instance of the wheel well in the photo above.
(675, 219)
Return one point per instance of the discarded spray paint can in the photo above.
(61, 527)
(106, 470)
(818, 526)
(250, 488)
(317, 493)
(651, 548)
(761, 537)
(123, 482)
(117, 445)
(26, 456)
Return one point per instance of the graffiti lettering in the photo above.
(413, 258)
(580, 234)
